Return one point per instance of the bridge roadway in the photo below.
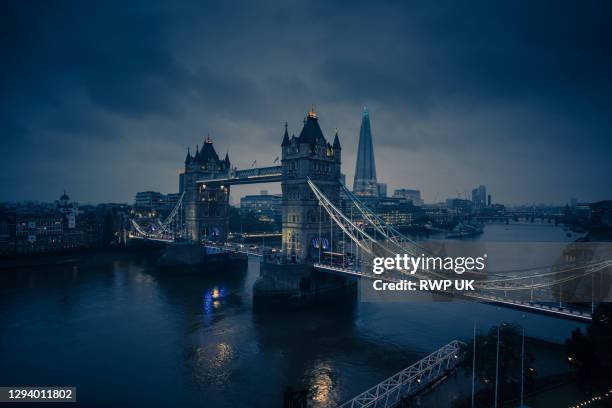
(562, 312)
(250, 250)
(158, 239)
(235, 235)
(483, 297)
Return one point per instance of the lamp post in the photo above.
(496, 368)
(473, 363)
(522, 367)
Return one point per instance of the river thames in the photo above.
(128, 334)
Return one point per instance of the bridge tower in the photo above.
(308, 155)
(206, 205)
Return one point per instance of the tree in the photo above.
(510, 344)
(590, 354)
(109, 226)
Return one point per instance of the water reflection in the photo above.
(191, 337)
(324, 348)
(210, 303)
(321, 383)
(211, 364)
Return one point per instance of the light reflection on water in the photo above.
(185, 338)
(212, 299)
(320, 380)
(211, 364)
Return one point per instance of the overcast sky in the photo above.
(102, 98)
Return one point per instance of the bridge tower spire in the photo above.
(285, 136)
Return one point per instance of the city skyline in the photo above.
(306, 204)
(450, 109)
(239, 192)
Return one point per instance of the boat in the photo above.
(463, 230)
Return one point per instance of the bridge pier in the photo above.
(192, 254)
(299, 282)
(181, 254)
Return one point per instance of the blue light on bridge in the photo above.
(318, 242)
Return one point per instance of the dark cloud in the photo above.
(102, 98)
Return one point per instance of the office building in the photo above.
(405, 194)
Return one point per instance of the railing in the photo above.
(235, 248)
(407, 382)
(162, 239)
(342, 270)
(537, 307)
(564, 312)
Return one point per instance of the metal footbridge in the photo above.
(406, 383)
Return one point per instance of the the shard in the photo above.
(365, 172)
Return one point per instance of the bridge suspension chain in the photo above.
(138, 228)
(175, 217)
(360, 237)
(399, 241)
(172, 214)
(489, 285)
(388, 231)
(396, 237)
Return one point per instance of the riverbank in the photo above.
(552, 373)
(73, 256)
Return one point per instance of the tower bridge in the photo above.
(208, 179)
(322, 232)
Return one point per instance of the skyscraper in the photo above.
(479, 196)
(365, 172)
